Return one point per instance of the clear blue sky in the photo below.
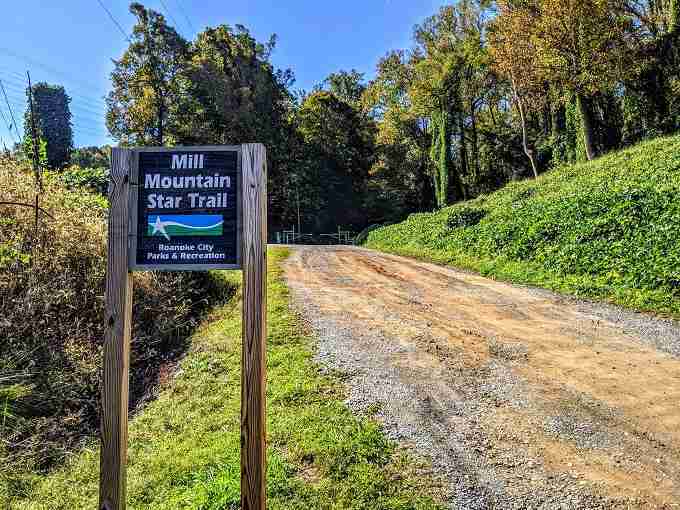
(72, 42)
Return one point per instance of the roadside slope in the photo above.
(184, 447)
(606, 229)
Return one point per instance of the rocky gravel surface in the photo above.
(510, 410)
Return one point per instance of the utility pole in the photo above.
(34, 136)
(36, 159)
(297, 193)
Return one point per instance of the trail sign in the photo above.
(174, 209)
(186, 203)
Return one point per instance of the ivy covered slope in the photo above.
(607, 229)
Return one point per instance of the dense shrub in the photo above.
(51, 327)
(465, 217)
(92, 179)
(608, 228)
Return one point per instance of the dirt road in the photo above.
(520, 398)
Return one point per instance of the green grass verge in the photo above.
(184, 447)
(607, 229)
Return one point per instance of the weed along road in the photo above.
(519, 397)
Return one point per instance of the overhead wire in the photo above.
(115, 21)
(9, 128)
(11, 113)
(186, 17)
(63, 75)
(81, 116)
(78, 123)
(172, 18)
(11, 77)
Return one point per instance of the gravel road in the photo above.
(518, 397)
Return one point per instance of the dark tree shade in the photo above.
(52, 121)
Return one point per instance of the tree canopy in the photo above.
(489, 91)
(52, 122)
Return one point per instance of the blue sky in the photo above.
(72, 42)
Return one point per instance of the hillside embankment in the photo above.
(608, 229)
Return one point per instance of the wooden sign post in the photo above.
(181, 209)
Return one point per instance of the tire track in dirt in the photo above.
(520, 398)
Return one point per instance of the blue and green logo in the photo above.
(183, 225)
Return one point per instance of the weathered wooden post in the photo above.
(116, 361)
(253, 381)
(214, 200)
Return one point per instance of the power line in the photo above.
(76, 112)
(10, 109)
(35, 63)
(9, 128)
(77, 101)
(186, 17)
(91, 126)
(172, 18)
(79, 123)
(115, 21)
(20, 87)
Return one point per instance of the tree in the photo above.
(147, 83)
(233, 92)
(402, 174)
(340, 145)
(514, 57)
(91, 157)
(234, 95)
(440, 65)
(584, 48)
(53, 124)
(347, 86)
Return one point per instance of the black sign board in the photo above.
(185, 209)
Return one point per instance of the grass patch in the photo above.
(607, 229)
(184, 447)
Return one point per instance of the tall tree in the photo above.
(585, 48)
(147, 82)
(53, 123)
(514, 58)
(340, 143)
(234, 95)
(403, 169)
(346, 85)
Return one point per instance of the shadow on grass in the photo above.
(53, 409)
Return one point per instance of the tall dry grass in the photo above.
(51, 319)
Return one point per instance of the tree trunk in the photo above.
(160, 125)
(558, 121)
(444, 162)
(525, 139)
(475, 143)
(588, 128)
(464, 164)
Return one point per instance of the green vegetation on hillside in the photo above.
(605, 229)
(184, 447)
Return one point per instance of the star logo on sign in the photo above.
(159, 226)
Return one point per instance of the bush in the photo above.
(465, 217)
(51, 294)
(92, 179)
(363, 235)
(608, 228)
